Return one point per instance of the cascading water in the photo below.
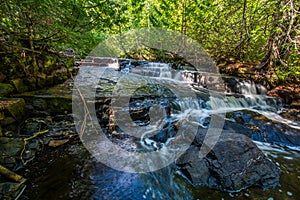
(251, 112)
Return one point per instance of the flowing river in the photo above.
(71, 172)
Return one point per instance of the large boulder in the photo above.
(234, 163)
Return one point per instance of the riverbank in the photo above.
(50, 132)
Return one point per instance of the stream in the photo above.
(72, 171)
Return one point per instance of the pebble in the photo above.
(271, 198)
(280, 190)
(247, 195)
(289, 194)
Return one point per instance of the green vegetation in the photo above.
(265, 32)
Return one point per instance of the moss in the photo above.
(17, 109)
(6, 89)
(20, 85)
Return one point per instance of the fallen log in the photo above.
(11, 175)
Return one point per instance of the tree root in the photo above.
(26, 142)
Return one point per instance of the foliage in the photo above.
(265, 32)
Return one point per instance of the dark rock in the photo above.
(12, 110)
(11, 190)
(234, 163)
(33, 125)
(260, 128)
(7, 121)
(10, 149)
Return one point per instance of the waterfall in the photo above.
(250, 87)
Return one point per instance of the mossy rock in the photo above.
(7, 121)
(14, 108)
(10, 150)
(6, 89)
(20, 86)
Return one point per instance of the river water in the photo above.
(71, 172)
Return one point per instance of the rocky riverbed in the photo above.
(47, 151)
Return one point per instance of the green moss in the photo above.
(17, 109)
(20, 85)
(5, 89)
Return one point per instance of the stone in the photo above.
(234, 163)
(20, 86)
(14, 108)
(33, 125)
(5, 89)
(11, 190)
(7, 121)
(260, 128)
(57, 143)
(10, 149)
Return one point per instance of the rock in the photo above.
(288, 94)
(33, 125)
(5, 89)
(20, 85)
(234, 163)
(10, 149)
(56, 143)
(11, 110)
(11, 190)
(15, 108)
(260, 128)
(7, 121)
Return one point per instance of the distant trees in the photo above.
(261, 31)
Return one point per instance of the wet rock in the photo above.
(260, 128)
(11, 190)
(10, 149)
(234, 163)
(33, 125)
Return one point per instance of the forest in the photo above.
(262, 32)
(148, 123)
